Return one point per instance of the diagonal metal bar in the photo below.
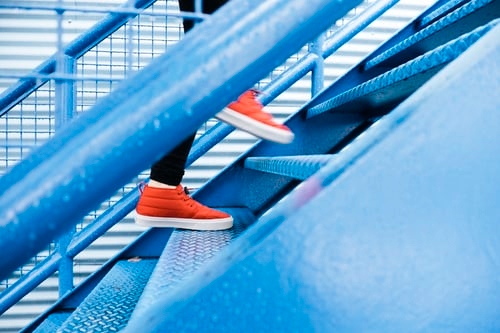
(172, 95)
(75, 49)
(397, 84)
(217, 133)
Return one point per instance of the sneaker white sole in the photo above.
(254, 127)
(182, 223)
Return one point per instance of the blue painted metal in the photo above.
(184, 254)
(65, 265)
(297, 167)
(398, 83)
(65, 103)
(125, 9)
(441, 11)
(154, 242)
(125, 205)
(106, 220)
(201, 146)
(53, 322)
(148, 105)
(469, 16)
(75, 49)
(317, 79)
(65, 92)
(79, 242)
(357, 75)
(109, 306)
(29, 281)
(314, 136)
(381, 239)
(354, 26)
(330, 45)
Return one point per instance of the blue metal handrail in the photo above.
(75, 49)
(216, 134)
(149, 104)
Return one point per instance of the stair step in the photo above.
(298, 167)
(464, 19)
(441, 11)
(52, 322)
(374, 96)
(109, 306)
(185, 253)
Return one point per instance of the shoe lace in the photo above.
(141, 186)
(250, 98)
(187, 197)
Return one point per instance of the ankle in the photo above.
(157, 184)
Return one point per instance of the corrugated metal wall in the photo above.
(29, 37)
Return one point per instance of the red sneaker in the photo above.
(248, 114)
(173, 208)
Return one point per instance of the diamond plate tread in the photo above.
(185, 253)
(432, 29)
(298, 167)
(444, 9)
(379, 89)
(52, 322)
(109, 306)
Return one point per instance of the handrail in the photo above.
(208, 140)
(148, 105)
(74, 49)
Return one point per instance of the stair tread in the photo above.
(52, 322)
(299, 167)
(420, 40)
(398, 83)
(185, 252)
(109, 306)
(441, 11)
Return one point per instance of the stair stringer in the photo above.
(403, 238)
(328, 134)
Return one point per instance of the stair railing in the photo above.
(311, 62)
(61, 68)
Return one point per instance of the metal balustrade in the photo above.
(74, 83)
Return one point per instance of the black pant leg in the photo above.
(170, 169)
(208, 7)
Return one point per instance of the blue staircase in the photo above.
(381, 216)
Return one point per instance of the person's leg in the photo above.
(164, 202)
(208, 7)
(247, 112)
(170, 169)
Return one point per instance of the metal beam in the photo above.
(75, 49)
(148, 115)
(398, 233)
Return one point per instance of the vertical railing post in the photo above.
(130, 40)
(65, 91)
(198, 6)
(198, 9)
(65, 106)
(66, 273)
(318, 71)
